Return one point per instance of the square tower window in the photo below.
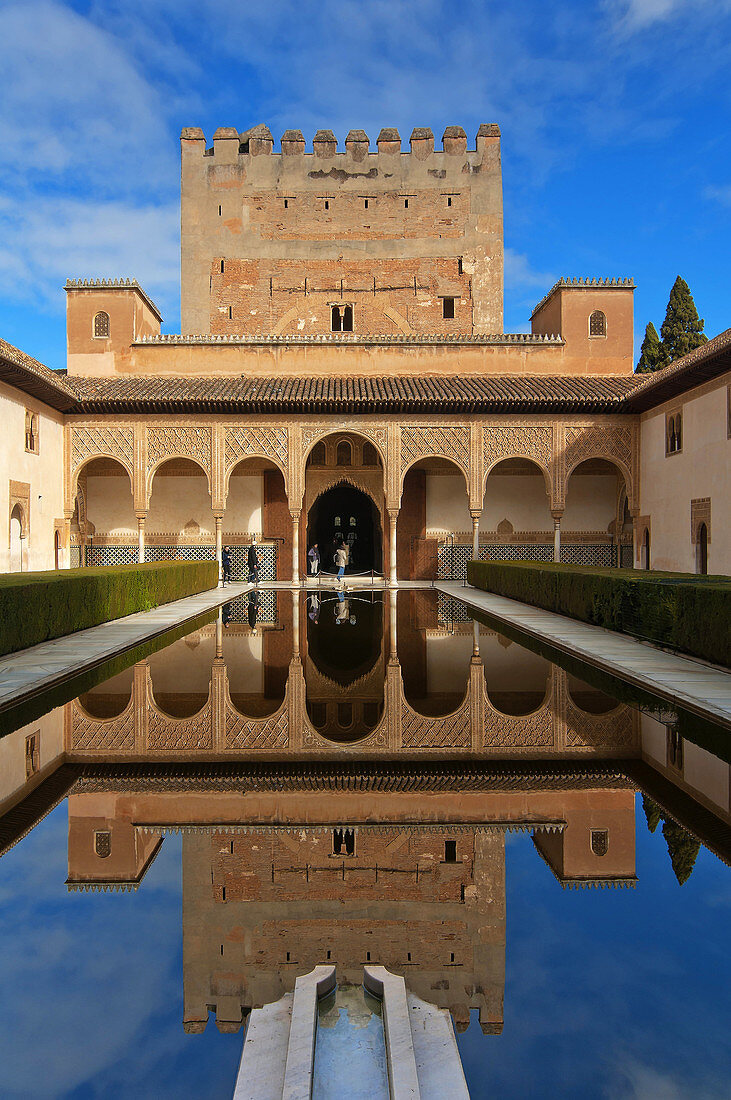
(597, 323)
(448, 309)
(450, 851)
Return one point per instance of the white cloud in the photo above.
(719, 194)
(520, 275)
(637, 15)
(49, 240)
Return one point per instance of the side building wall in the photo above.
(31, 487)
(683, 487)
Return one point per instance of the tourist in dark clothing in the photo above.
(253, 609)
(313, 555)
(226, 614)
(252, 562)
(226, 564)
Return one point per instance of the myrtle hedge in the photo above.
(682, 611)
(35, 607)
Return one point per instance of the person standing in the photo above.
(226, 564)
(341, 560)
(313, 555)
(252, 562)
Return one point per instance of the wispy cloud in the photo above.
(721, 194)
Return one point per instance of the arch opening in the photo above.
(104, 525)
(701, 550)
(16, 539)
(594, 530)
(346, 515)
(434, 530)
(257, 507)
(110, 699)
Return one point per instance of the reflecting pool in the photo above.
(366, 777)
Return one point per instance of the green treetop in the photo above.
(653, 356)
(682, 329)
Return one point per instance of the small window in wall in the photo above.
(286, 204)
(31, 432)
(600, 841)
(317, 458)
(341, 318)
(597, 323)
(406, 204)
(449, 200)
(103, 843)
(450, 851)
(101, 324)
(220, 211)
(675, 749)
(674, 433)
(343, 842)
(448, 309)
(230, 313)
(32, 754)
(223, 265)
(365, 204)
(344, 455)
(327, 204)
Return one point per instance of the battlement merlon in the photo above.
(229, 144)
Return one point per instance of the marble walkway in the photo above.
(692, 684)
(31, 671)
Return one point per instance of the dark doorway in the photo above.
(701, 550)
(346, 514)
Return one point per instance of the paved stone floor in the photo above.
(692, 684)
(31, 671)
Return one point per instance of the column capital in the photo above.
(141, 515)
(557, 513)
(475, 514)
(295, 515)
(218, 517)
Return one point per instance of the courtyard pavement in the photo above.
(694, 685)
(31, 671)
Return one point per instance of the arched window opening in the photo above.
(597, 323)
(101, 324)
(31, 432)
(679, 432)
(336, 321)
(16, 537)
(317, 457)
(56, 550)
(348, 319)
(370, 455)
(674, 434)
(345, 715)
(343, 842)
(344, 454)
(646, 549)
(701, 550)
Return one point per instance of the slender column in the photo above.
(557, 535)
(475, 535)
(219, 634)
(393, 625)
(141, 517)
(392, 521)
(218, 518)
(66, 549)
(475, 638)
(295, 547)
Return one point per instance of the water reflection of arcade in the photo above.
(409, 679)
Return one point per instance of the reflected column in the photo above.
(141, 517)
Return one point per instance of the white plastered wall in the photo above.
(110, 506)
(175, 502)
(521, 499)
(12, 752)
(511, 667)
(244, 505)
(591, 502)
(703, 774)
(702, 469)
(42, 471)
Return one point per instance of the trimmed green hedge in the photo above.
(35, 607)
(683, 611)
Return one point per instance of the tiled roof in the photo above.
(25, 373)
(484, 393)
(706, 362)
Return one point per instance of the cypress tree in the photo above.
(682, 848)
(652, 354)
(682, 329)
(652, 813)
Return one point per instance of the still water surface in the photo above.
(468, 814)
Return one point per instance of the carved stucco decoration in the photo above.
(614, 442)
(179, 441)
(107, 734)
(378, 738)
(257, 733)
(533, 441)
(102, 441)
(453, 731)
(170, 734)
(537, 730)
(435, 440)
(256, 442)
(616, 730)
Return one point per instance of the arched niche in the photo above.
(518, 681)
(110, 699)
(434, 510)
(17, 537)
(516, 504)
(104, 504)
(588, 698)
(596, 491)
(179, 511)
(180, 675)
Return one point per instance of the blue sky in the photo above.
(611, 994)
(614, 116)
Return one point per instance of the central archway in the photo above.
(344, 513)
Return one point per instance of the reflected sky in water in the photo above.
(618, 993)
